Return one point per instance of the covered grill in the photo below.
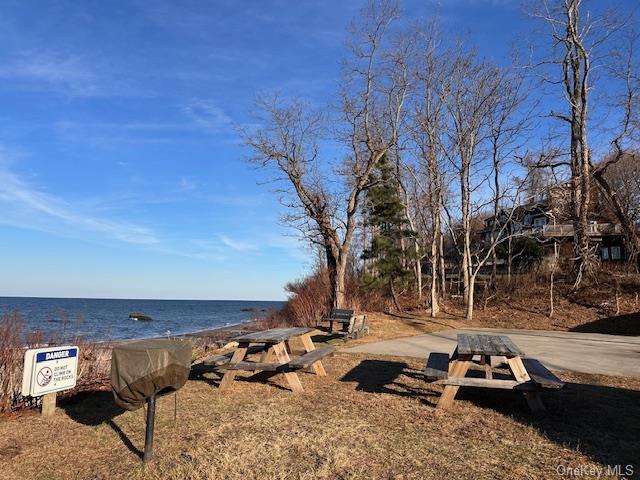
(140, 370)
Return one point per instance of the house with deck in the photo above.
(546, 217)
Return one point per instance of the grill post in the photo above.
(148, 437)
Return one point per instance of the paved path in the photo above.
(572, 351)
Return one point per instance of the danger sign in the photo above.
(48, 370)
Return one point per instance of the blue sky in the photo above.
(121, 171)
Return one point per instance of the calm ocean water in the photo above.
(101, 319)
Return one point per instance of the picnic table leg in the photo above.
(287, 344)
(283, 357)
(534, 399)
(517, 369)
(485, 361)
(453, 359)
(265, 357)
(308, 345)
(457, 368)
(229, 375)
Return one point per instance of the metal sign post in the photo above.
(148, 436)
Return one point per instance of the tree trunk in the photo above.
(443, 272)
(552, 278)
(466, 268)
(339, 290)
(509, 260)
(418, 270)
(470, 299)
(435, 307)
(336, 267)
(394, 295)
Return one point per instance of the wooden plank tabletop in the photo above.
(472, 344)
(273, 335)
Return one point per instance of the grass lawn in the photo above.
(372, 417)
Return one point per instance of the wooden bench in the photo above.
(437, 367)
(339, 315)
(309, 358)
(358, 327)
(256, 366)
(540, 375)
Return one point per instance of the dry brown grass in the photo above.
(372, 417)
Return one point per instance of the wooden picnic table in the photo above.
(526, 374)
(275, 352)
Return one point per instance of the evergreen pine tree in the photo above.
(384, 211)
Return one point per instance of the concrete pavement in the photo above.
(570, 351)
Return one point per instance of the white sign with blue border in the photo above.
(48, 370)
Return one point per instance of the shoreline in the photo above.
(220, 335)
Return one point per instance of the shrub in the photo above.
(93, 365)
(11, 359)
(310, 299)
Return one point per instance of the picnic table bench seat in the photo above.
(221, 359)
(309, 358)
(255, 366)
(297, 363)
(437, 367)
(541, 375)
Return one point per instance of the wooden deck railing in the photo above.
(593, 229)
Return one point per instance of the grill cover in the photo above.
(143, 368)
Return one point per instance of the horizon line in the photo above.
(154, 299)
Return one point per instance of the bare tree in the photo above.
(411, 194)
(620, 188)
(473, 89)
(428, 130)
(575, 37)
(507, 122)
(373, 95)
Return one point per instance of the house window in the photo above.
(539, 221)
(615, 253)
(605, 253)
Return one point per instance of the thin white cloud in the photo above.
(25, 205)
(65, 72)
(186, 184)
(30, 207)
(237, 245)
(208, 115)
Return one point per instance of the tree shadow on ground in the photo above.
(600, 421)
(628, 325)
(96, 408)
